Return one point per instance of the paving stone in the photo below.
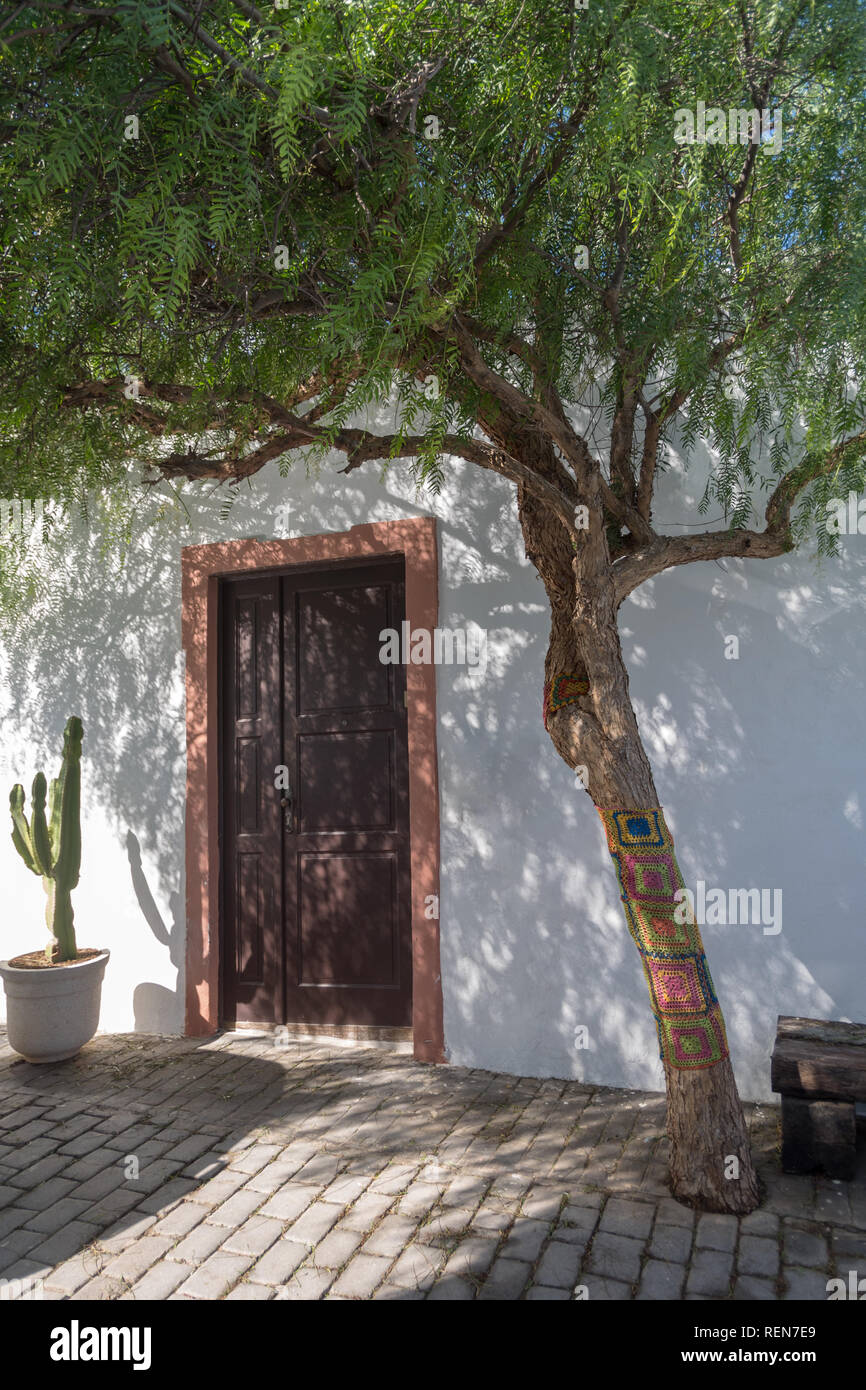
(74, 1237)
(605, 1290)
(288, 1203)
(47, 1194)
(246, 1293)
(748, 1287)
(671, 1243)
(661, 1280)
(417, 1266)
(506, 1280)
(804, 1284)
(710, 1273)
(345, 1190)
(760, 1223)
(492, 1220)
(758, 1255)
(29, 1155)
(216, 1276)
(18, 1243)
(452, 1289)
(273, 1176)
(306, 1284)
(539, 1293)
(55, 1217)
(542, 1204)
(846, 1245)
(137, 1258)
(171, 1194)
(716, 1231)
(190, 1148)
(559, 1265)
(279, 1262)
(83, 1143)
(54, 1165)
(394, 1292)
(615, 1257)
(804, 1247)
(235, 1210)
(201, 1242)
(525, 1239)
(128, 1229)
(582, 1217)
(624, 1218)
(254, 1159)
(390, 1236)
(368, 1209)
(27, 1267)
(254, 1237)
(418, 1199)
(472, 1258)
(337, 1248)
(72, 1274)
(93, 1163)
(160, 1280)
(395, 1178)
(155, 1177)
(217, 1190)
(466, 1191)
(105, 1182)
(446, 1225)
(320, 1170)
(361, 1275)
(314, 1222)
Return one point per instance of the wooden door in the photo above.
(316, 879)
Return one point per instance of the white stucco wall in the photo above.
(759, 763)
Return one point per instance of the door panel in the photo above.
(348, 929)
(317, 923)
(252, 877)
(346, 781)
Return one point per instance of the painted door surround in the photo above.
(203, 566)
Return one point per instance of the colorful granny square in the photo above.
(564, 689)
(679, 984)
(636, 830)
(694, 1042)
(652, 877)
(691, 1030)
(655, 927)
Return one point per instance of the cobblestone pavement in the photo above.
(316, 1171)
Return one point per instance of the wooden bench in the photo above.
(819, 1069)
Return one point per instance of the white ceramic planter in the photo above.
(51, 1014)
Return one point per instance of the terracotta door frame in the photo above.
(202, 567)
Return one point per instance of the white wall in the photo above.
(758, 762)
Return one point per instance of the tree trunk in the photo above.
(590, 719)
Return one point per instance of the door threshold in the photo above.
(342, 1034)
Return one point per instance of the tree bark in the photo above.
(710, 1163)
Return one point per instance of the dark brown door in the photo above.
(315, 807)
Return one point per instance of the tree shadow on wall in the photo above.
(156, 1008)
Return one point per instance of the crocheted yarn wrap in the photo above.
(565, 689)
(691, 1030)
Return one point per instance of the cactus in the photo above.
(51, 845)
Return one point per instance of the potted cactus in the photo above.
(52, 996)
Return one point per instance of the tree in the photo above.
(228, 231)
